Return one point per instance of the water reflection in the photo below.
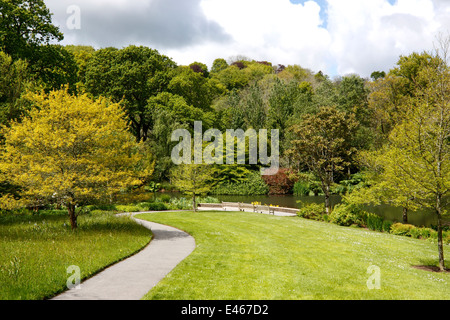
(419, 218)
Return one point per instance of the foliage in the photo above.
(374, 222)
(387, 224)
(423, 233)
(164, 198)
(180, 204)
(346, 215)
(25, 25)
(307, 184)
(197, 90)
(157, 206)
(70, 150)
(347, 186)
(401, 229)
(131, 75)
(193, 180)
(219, 65)
(252, 184)
(322, 142)
(279, 183)
(313, 211)
(302, 188)
(15, 80)
(416, 161)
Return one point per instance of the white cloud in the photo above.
(277, 31)
(360, 36)
(371, 35)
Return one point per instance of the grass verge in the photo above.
(245, 256)
(36, 250)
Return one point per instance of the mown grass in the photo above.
(36, 250)
(246, 256)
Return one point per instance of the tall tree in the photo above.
(72, 150)
(131, 75)
(417, 156)
(27, 33)
(14, 81)
(25, 25)
(322, 143)
(392, 91)
(195, 88)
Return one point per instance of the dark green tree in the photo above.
(131, 75)
(25, 25)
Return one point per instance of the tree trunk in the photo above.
(72, 216)
(194, 206)
(327, 199)
(405, 215)
(439, 231)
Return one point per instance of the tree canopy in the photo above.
(71, 149)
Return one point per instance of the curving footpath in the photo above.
(133, 277)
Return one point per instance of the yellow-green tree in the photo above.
(193, 179)
(72, 150)
(415, 163)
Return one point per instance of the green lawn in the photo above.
(242, 256)
(35, 251)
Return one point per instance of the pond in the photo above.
(419, 218)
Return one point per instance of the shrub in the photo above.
(156, 206)
(401, 229)
(279, 183)
(128, 208)
(301, 188)
(346, 215)
(387, 225)
(252, 185)
(208, 200)
(444, 228)
(164, 198)
(422, 233)
(180, 204)
(446, 237)
(312, 211)
(374, 222)
(104, 207)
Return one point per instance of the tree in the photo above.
(322, 142)
(131, 76)
(14, 81)
(193, 179)
(82, 55)
(55, 67)
(416, 159)
(422, 144)
(391, 92)
(385, 182)
(166, 121)
(71, 150)
(232, 77)
(27, 33)
(25, 25)
(377, 75)
(197, 90)
(200, 68)
(219, 65)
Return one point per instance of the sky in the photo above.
(337, 37)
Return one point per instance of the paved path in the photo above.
(132, 278)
